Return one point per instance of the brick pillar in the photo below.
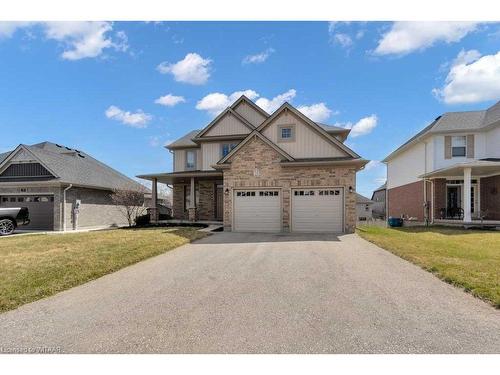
(192, 214)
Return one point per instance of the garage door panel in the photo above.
(317, 210)
(41, 209)
(257, 210)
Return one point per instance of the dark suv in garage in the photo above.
(11, 218)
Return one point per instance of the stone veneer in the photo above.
(206, 201)
(258, 156)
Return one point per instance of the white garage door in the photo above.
(317, 210)
(257, 210)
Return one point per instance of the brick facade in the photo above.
(407, 201)
(439, 196)
(258, 165)
(490, 197)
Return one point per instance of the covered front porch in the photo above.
(197, 195)
(465, 193)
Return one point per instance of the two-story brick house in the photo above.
(448, 171)
(259, 172)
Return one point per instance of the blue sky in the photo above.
(97, 86)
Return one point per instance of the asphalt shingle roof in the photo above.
(458, 121)
(185, 140)
(362, 199)
(76, 167)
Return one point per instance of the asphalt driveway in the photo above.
(260, 293)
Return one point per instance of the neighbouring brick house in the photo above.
(450, 171)
(379, 203)
(63, 188)
(259, 172)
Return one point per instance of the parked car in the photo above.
(11, 218)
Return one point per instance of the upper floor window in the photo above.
(286, 133)
(227, 147)
(458, 146)
(190, 159)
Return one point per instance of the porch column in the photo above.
(153, 210)
(467, 188)
(192, 204)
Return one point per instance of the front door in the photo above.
(453, 199)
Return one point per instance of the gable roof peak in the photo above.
(246, 99)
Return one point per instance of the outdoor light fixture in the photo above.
(226, 191)
(350, 189)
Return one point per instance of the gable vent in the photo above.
(25, 170)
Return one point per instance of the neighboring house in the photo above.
(63, 188)
(448, 171)
(163, 202)
(378, 198)
(364, 208)
(261, 172)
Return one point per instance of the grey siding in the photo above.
(96, 209)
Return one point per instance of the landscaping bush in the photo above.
(142, 220)
(164, 217)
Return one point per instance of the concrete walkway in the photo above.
(255, 293)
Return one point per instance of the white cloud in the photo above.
(343, 39)
(81, 39)
(154, 141)
(8, 28)
(138, 119)
(362, 127)
(408, 36)
(471, 79)
(317, 112)
(270, 105)
(345, 33)
(170, 100)
(193, 69)
(258, 58)
(373, 164)
(216, 102)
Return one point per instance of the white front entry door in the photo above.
(257, 210)
(318, 210)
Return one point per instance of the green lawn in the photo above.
(37, 266)
(466, 258)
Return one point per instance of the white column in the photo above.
(467, 187)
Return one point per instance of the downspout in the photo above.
(64, 206)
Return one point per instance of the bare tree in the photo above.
(131, 203)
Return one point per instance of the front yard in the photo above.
(466, 258)
(37, 266)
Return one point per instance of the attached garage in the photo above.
(317, 210)
(41, 209)
(257, 210)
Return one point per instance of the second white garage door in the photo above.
(257, 210)
(317, 210)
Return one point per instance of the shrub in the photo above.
(142, 220)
